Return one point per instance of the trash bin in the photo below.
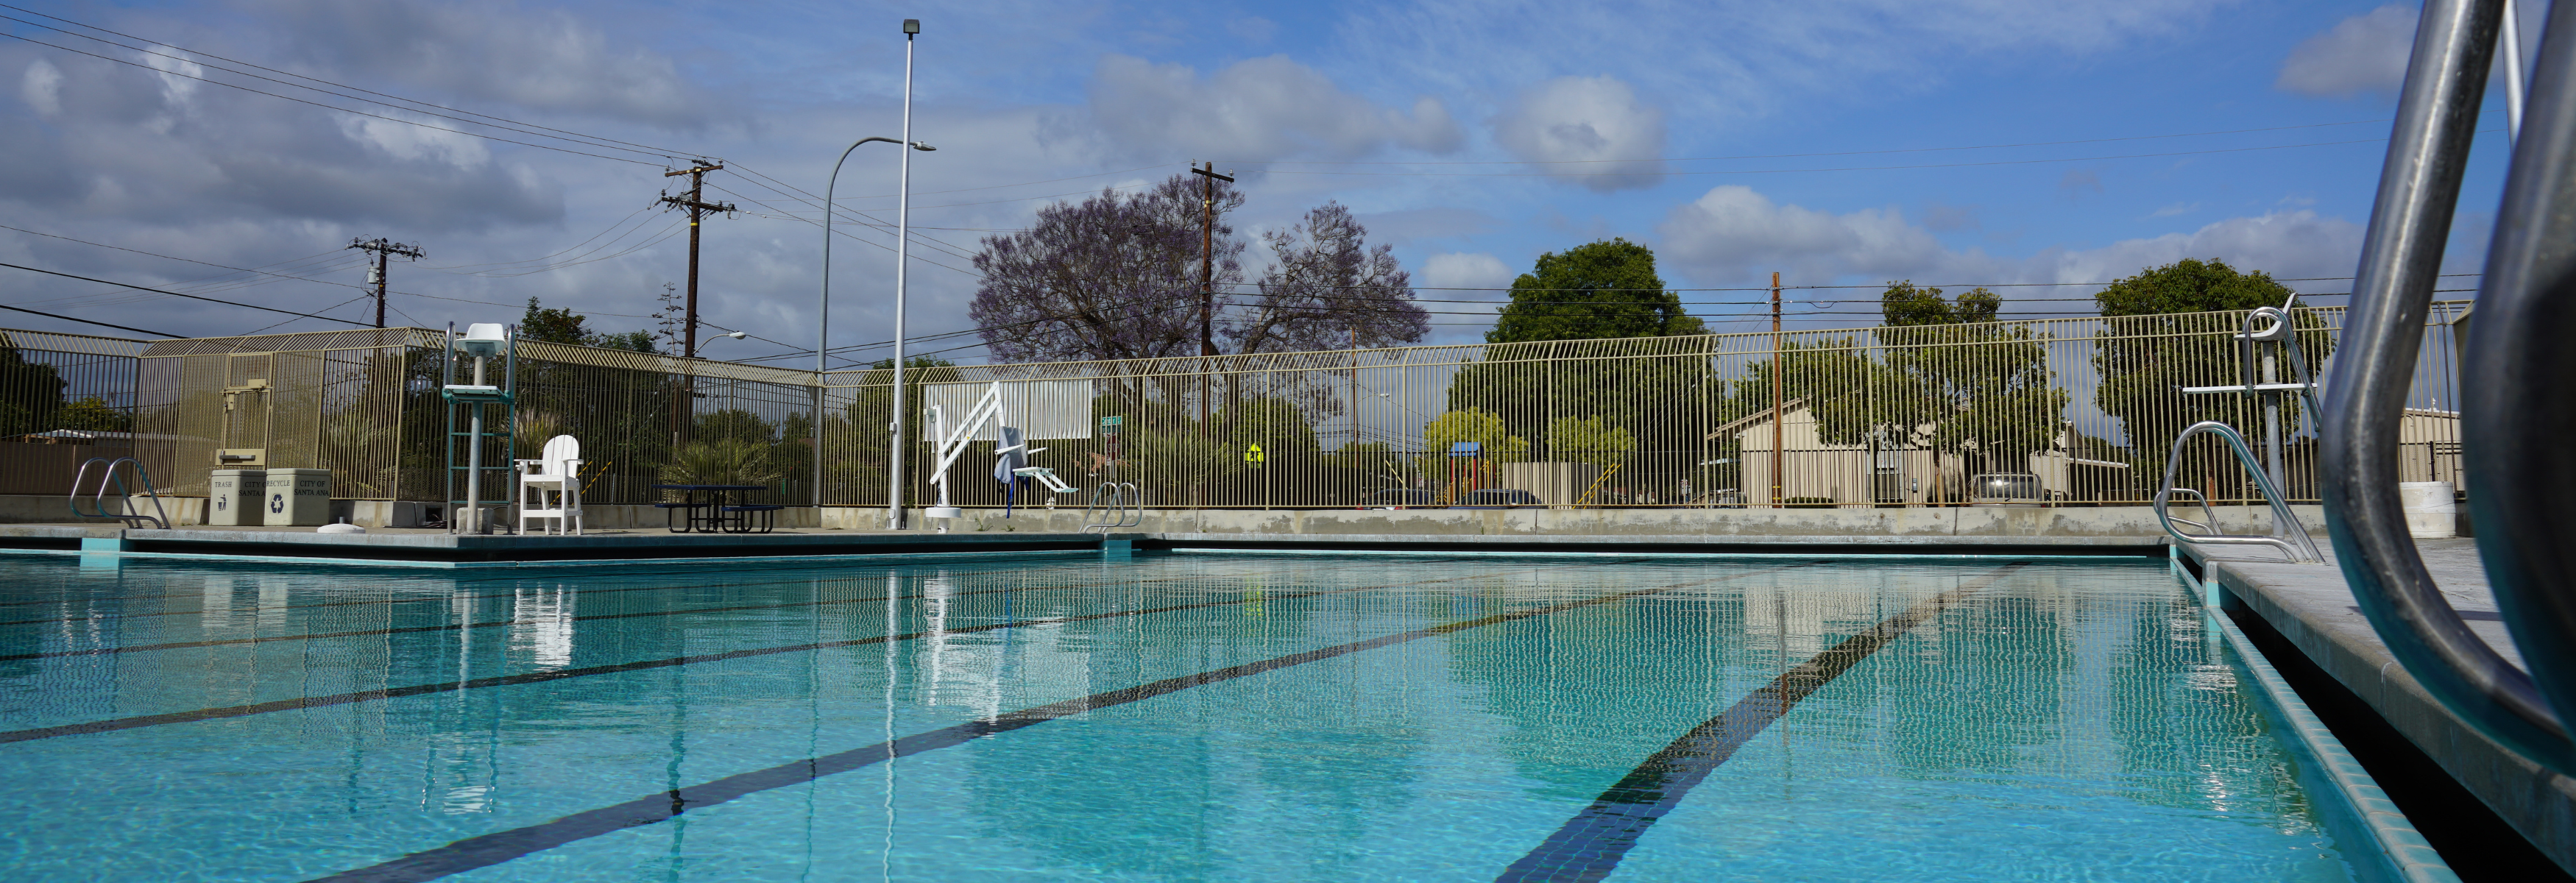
(298, 498)
(2432, 509)
(236, 497)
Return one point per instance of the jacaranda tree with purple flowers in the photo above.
(1115, 276)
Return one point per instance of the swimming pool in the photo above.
(1200, 716)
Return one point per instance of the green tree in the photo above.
(1484, 428)
(2159, 340)
(560, 325)
(1906, 304)
(1590, 440)
(1955, 379)
(2190, 285)
(1588, 292)
(30, 393)
(556, 325)
(94, 414)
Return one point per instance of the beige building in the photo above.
(1894, 471)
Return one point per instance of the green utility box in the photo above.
(237, 497)
(298, 498)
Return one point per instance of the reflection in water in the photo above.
(2074, 716)
(542, 626)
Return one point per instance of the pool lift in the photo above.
(1011, 452)
(2272, 332)
(2516, 414)
(481, 342)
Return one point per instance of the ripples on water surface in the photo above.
(2056, 722)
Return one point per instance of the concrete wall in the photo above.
(56, 509)
(2119, 521)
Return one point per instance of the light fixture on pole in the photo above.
(902, 238)
(823, 307)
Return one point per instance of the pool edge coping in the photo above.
(2405, 852)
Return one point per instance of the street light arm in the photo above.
(823, 302)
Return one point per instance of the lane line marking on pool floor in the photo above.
(499, 623)
(1590, 845)
(538, 677)
(503, 846)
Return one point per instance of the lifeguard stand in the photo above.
(480, 343)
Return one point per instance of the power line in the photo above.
(1807, 155)
(89, 321)
(176, 294)
(315, 103)
(1693, 172)
(596, 140)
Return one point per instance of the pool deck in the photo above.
(2313, 609)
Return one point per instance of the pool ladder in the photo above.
(98, 504)
(1120, 500)
(2298, 547)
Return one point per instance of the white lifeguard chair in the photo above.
(556, 471)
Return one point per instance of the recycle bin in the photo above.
(298, 498)
(236, 497)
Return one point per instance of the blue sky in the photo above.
(1819, 140)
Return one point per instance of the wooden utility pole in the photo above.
(1777, 390)
(376, 275)
(1207, 282)
(697, 211)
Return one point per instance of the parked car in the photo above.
(2007, 490)
(1398, 498)
(1498, 498)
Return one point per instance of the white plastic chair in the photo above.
(557, 470)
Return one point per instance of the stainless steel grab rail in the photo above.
(1125, 505)
(2437, 116)
(2518, 382)
(125, 498)
(2303, 551)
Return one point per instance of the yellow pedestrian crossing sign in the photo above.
(1253, 455)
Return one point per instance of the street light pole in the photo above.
(902, 239)
(823, 310)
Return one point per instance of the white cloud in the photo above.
(2286, 244)
(2364, 53)
(2179, 208)
(498, 51)
(1464, 270)
(1733, 234)
(43, 87)
(1592, 128)
(1723, 61)
(1259, 109)
(408, 142)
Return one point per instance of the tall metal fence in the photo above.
(64, 398)
(1858, 417)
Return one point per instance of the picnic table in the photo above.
(714, 514)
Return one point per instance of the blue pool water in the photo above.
(1186, 717)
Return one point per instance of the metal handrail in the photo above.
(1126, 507)
(2516, 410)
(99, 503)
(2419, 188)
(2304, 551)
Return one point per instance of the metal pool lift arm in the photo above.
(2526, 286)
